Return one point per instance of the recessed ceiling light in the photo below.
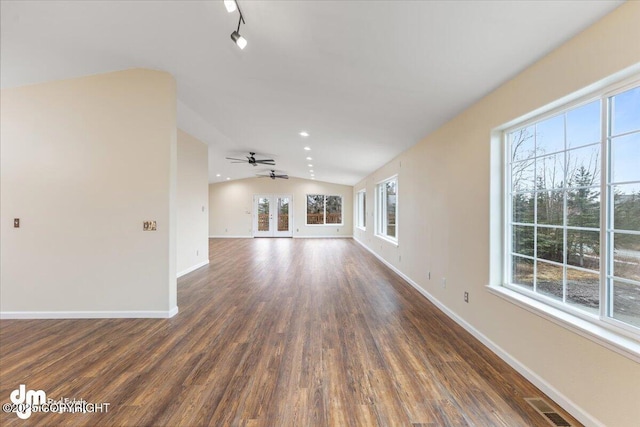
(313, 178)
(304, 133)
(218, 175)
(310, 165)
(311, 171)
(309, 158)
(307, 148)
(228, 179)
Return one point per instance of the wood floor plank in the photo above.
(273, 332)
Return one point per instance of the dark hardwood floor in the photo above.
(274, 332)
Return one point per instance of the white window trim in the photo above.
(379, 216)
(325, 211)
(360, 212)
(600, 329)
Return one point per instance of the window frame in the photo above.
(361, 211)
(606, 327)
(380, 209)
(324, 210)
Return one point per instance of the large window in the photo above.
(361, 209)
(323, 209)
(573, 209)
(387, 209)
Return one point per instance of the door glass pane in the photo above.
(283, 214)
(263, 214)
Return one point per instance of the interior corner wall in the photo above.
(84, 162)
(444, 226)
(192, 204)
(231, 206)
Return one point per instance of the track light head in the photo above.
(239, 40)
(230, 5)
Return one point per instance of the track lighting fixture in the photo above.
(232, 5)
(239, 40)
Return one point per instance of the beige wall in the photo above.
(84, 162)
(231, 206)
(444, 192)
(192, 204)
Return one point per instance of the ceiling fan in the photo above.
(251, 159)
(273, 175)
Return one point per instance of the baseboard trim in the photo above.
(89, 314)
(323, 237)
(231, 237)
(193, 268)
(567, 404)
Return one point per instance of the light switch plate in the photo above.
(16, 222)
(149, 226)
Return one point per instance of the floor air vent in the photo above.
(548, 411)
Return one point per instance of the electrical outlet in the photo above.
(16, 222)
(444, 282)
(197, 252)
(466, 297)
(399, 258)
(226, 230)
(429, 275)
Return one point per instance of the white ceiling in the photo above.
(367, 79)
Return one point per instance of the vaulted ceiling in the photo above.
(366, 79)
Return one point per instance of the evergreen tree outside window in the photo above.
(573, 209)
(324, 210)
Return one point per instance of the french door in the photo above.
(271, 216)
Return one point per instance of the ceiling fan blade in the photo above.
(266, 162)
(231, 158)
